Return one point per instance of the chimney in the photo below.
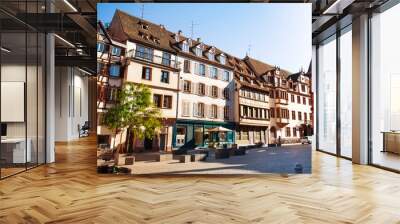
(179, 32)
(199, 39)
(162, 26)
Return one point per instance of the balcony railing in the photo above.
(150, 57)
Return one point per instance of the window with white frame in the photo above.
(222, 59)
(214, 72)
(198, 51)
(144, 52)
(210, 56)
(166, 59)
(187, 85)
(185, 47)
(214, 111)
(226, 75)
(201, 89)
(202, 69)
(214, 91)
(200, 109)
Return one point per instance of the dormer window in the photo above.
(222, 59)
(198, 51)
(241, 78)
(210, 56)
(144, 25)
(185, 47)
(251, 82)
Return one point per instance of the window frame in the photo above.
(162, 78)
(144, 75)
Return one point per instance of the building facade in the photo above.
(111, 64)
(205, 87)
(252, 115)
(199, 87)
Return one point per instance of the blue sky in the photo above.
(278, 34)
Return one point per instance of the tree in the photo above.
(135, 112)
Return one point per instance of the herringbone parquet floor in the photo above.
(70, 191)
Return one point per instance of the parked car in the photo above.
(305, 140)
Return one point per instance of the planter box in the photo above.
(129, 160)
(120, 159)
(198, 157)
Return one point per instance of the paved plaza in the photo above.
(256, 161)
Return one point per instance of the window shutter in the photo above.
(183, 112)
(188, 66)
(219, 74)
(194, 109)
(192, 87)
(208, 110)
(188, 108)
(181, 85)
(207, 71)
(196, 68)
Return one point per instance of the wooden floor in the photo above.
(70, 191)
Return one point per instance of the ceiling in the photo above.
(74, 22)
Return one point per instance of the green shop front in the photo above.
(189, 134)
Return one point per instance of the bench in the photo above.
(182, 158)
(198, 157)
(164, 157)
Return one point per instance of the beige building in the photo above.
(151, 61)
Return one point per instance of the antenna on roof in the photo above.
(192, 29)
(248, 50)
(142, 11)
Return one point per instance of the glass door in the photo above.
(326, 96)
(346, 92)
(385, 89)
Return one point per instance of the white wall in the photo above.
(71, 102)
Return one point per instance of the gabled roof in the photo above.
(101, 29)
(257, 66)
(295, 76)
(260, 68)
(132, 27)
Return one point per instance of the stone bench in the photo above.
(182, 158)
(198, 157)
(164, 157)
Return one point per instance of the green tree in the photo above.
(135, 112)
